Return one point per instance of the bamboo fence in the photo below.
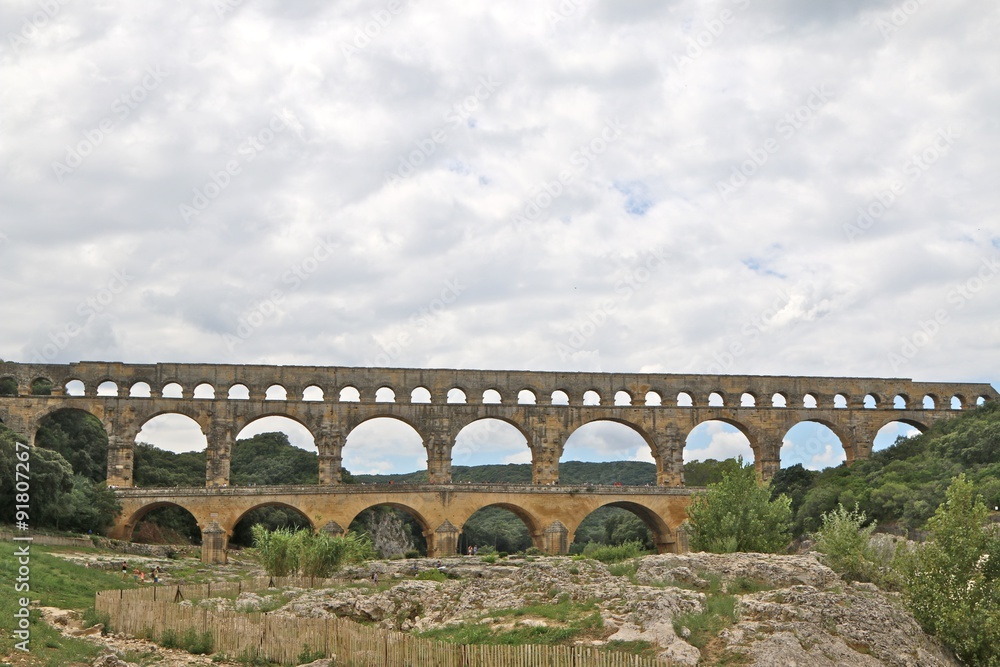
(147, 612)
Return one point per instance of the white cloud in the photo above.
(845, 301)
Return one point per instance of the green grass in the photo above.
(54, 583)
(719, 613)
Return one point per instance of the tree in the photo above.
(737, 514)
(80, 438)
(951, 583)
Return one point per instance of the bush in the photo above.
(951, 583)
(276, 550)
(607, 553)
(846, 544)
(283, 552)
(432, 575)
(737, 514)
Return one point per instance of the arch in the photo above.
(526, 397)
(491, 440)
(839, 401)
(492, 397)
(8, 386)
(173, 431)
(172, 390)
(560, 397)
(623, 398)
(748, 400)
(476, 529)
(893, 430)
(871, 401)
(957, 402)
(385, 395)
(719, 439)
(684, 400)
(263, 441)
(384, 444)
(809, 401)
(41, 386)
(107, 388)
(779, 400)
(74, 388)
(420, 395)
(900, 401)
(130, 524)
(661, 537)
(349, 395)
(591, 397)
(238, 392)
(417, 531)
(276, 392)
(204, 391)
(654, 398)
(929, 402)
(716, 400)
(981, 400)
(602, 440)
(271, 515)
(313, 393)
(815, 444)
(140, 389)
(456, 395)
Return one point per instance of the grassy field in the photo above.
(54, 582)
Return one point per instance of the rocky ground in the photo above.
(790, 610)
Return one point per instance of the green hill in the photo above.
(902, 485)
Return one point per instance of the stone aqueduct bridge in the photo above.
(546, 407)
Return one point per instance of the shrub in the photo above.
(845, 543)
(283, 552)
(737, 514)
(489, 558)
(951, 583)
(607, 553)
(432, 575)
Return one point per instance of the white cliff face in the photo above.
(800, 613)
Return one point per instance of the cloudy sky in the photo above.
(735, 186)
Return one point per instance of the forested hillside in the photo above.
(903, 484)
